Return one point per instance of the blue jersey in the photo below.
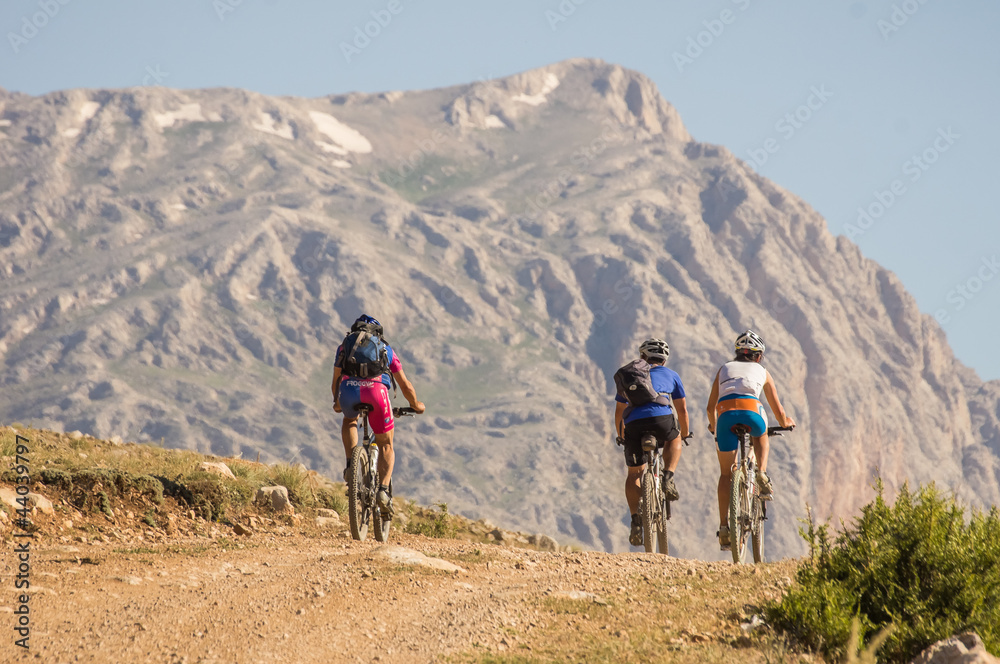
(665, 381)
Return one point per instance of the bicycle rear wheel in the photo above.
(382, 522)
(648, 513)
(358, 493)
(737, 516)
(758, 531)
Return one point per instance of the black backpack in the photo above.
(634, 383)
(365, 352)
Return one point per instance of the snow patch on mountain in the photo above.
(269, 125)
(551, 83)
(343, 136)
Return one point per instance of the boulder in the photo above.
(36, 501)
(327, 513)
(75, 435)
(403, 556)
(965, 648)
(41, 503)
(327, 522)
(274, 496)
(546, 543)
(217, 468)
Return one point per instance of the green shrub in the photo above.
(212, 495)
(332, 499)
(149, 486)
(432, 525)
(295, 480)
(56, 478)
(917, 566)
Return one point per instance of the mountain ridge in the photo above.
(181, 265)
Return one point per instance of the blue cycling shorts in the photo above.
(756, 421)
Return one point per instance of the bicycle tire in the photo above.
(661, 535)
(381, 523)
(359, 511)
(758, 532)
(737, 536)
(647, 513)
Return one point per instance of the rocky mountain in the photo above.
(181, 265)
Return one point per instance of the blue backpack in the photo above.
(366, 354)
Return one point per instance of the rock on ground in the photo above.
(965, 648)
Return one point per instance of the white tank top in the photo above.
(741, 378)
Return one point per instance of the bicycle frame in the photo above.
(656, 515)
(747, 510)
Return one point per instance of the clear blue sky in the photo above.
(893, 86)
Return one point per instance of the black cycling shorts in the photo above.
(663, 427)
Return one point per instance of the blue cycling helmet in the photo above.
(364, 320)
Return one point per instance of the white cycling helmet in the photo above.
(749, 342)
(654, 349)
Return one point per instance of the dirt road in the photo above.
(294, 597)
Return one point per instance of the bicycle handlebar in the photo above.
(404, 412)
(776, 431)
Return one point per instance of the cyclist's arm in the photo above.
(713, 401)
(771, 393)
(410, 394)
(680, 405)
(619, 415)
(333, 388)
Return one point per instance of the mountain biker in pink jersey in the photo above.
(350, 391)
(735, 399)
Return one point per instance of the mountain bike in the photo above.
(363, 483)
(747, 510)
(654, 508)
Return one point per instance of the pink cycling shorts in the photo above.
(354, 391)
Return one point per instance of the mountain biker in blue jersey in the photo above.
(631, 423)
(735, 399)
(351, 391)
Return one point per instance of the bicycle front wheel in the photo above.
(648, 513)
(758, 531)
(737, 515)
(358, 494)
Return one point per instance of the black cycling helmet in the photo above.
(364, 320)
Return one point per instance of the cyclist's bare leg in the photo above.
(349, 433)
(672, 453)
(633, 487)
(386, 456)
(761, 448)
(726, 461)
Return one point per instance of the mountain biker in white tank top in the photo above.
(735, 399)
